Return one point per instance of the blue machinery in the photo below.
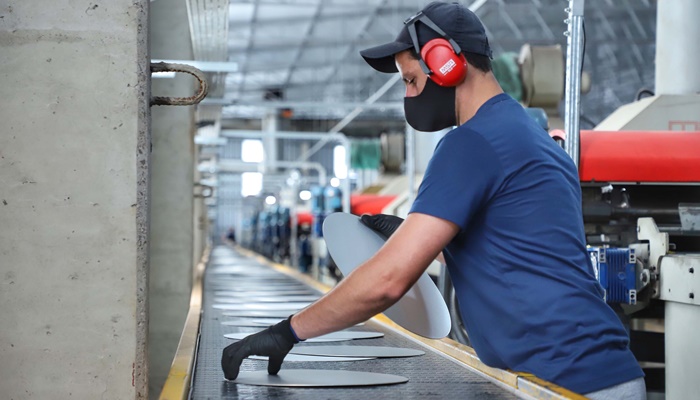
(616, 272)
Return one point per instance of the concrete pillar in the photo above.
(172, 179)
(199, 218)
(677, 36)
(74, 140)
(270, 125)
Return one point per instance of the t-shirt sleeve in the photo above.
(462, 176)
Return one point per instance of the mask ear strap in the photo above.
(411, 22)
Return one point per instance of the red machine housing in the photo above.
(369, 203)
(640, 156)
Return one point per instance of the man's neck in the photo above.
(473, 93)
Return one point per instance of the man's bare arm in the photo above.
(381, 281)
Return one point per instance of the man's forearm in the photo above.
(381, 281)
(360, 296)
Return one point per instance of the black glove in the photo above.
(382, 223)
(274, 342)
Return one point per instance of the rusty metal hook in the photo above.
(180, 101)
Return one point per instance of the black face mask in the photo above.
(433, 109)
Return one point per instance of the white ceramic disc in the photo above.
(356, 351)
(317, 378)
(257, 314)
(269, 299)
(331, 337)
(421, 310)
(292, 306)
(250, 323)
(249, 283)
(307, 358)
(262, 293)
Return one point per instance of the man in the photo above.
(502, 203)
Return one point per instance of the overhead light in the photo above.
(305, 195)
(335, 182)
(251, 183)
(270, 200)
(252, 151)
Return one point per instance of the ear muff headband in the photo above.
(441, 59)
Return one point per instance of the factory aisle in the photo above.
(431, 376)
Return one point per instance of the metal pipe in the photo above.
(322, 174)
(574, 60)
(677, 34)
(319, 145)
(370, 100)
(292, 135)
(241, 166)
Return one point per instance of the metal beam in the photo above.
(354, 12)
(351, 47)
(574, 60)
(368, 103)
(303, 104)
(302, 45)
(311, 43)
(321, 136)
(251, 40)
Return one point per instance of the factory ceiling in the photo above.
(307, 50)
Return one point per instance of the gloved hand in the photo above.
(382, 223)
(274, 342)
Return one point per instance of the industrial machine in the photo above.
(641, 209)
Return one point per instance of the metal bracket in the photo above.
(658, 241)
(680, 278)
(180, 101)
(658, 248)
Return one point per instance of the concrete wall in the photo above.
(73, 199)
(172, 193)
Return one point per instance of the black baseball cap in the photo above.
(457, 21)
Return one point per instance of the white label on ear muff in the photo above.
(449, 66)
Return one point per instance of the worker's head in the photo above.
(438, 49)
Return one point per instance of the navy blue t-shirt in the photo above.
(525, 285)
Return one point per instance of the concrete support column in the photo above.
(199, 218)
(74, 154)
(172, 176)
(677, 37)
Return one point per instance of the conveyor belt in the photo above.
(432, 376)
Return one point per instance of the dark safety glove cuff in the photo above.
(285, 329)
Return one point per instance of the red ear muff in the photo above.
(446, 67)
